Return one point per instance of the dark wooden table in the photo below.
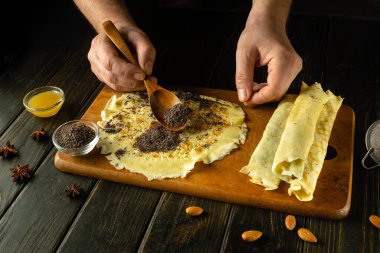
(195, 47)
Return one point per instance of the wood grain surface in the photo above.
(51, 48)
(222, 181)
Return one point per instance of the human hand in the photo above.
(265, 43)
(113, 69)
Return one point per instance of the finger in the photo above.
(279, 78)
(245, 66)
(126, 70)
(146, 53)
(153, 79)
(256, 88)
(116, 82)
(111, 60)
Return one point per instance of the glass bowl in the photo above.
(81, 150)
(44, 101)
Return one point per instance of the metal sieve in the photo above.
(372, 141)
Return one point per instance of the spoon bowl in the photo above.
(160, 99)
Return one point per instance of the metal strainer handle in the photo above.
(365, 158)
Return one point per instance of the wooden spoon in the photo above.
(160, 99)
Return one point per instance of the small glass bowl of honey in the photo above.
(44, 101)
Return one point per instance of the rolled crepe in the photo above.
(298, 135)
(304, 188)
(259, 167)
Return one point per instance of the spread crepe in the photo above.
(294, 143)
(215, 127)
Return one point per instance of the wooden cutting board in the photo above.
(222, 180)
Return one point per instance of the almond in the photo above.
(194, 210)
(306, 235)
(290, 222)
(375, 220)
(251, 235)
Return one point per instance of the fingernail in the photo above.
(139, 76)
(242, 94)
(148, 67)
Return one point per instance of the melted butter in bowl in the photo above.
(44, 101)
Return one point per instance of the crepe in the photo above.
(215, 127)
(298, 135)
(304, 188)
(294, 143)
(260, 164)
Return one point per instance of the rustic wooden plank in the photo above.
(334, 236)
(352, 71)
(205, 179)
(172, 230)
(17, 35)
(58, 211)
(22, 228)
(275, 238)
(309, 37)
(170, 54)
(44, 49)
(118, 215)
(78, 83)
(185, 55)
(41, 214)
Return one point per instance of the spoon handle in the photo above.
(118, 41)
(151, 86)
(160, 99)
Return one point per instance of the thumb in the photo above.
(245, 67)
(146, 53)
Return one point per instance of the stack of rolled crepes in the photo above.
(294, 143)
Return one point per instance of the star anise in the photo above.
(21, 172)
(73, 190)
(7, 150)
(38, 134)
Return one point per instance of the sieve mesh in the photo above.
(373, 140)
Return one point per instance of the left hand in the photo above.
(263, 43)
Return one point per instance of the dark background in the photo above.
(46, 42)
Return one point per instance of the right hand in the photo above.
(113, 69)
(262, 43)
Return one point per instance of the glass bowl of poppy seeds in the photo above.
(76, 137)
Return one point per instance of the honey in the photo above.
(45, 104)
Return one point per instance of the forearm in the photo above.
(273, 11)
(98, 11)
